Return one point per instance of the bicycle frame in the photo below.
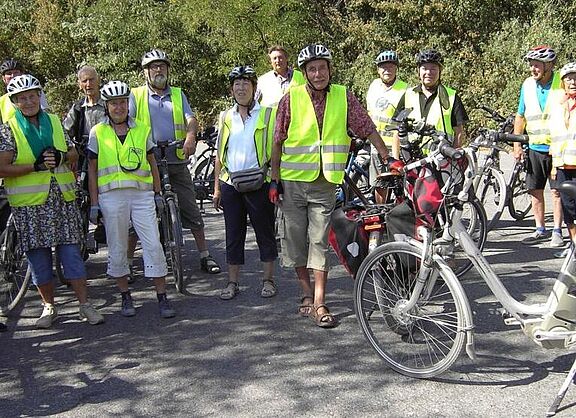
(552, 324)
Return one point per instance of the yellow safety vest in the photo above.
(7, 109)
(263, 138)
(32, 189)
(437, 116)
(382, 116)
(143, 112)
(563, 138)
(113, 156)
(297, 80)
(305, 152)
(536, 119)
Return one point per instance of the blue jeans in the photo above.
(40, 260)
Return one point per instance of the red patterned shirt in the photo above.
(357, 121)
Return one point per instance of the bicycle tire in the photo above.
(204, 172)
(474, 219)
(520, 201)
(15, 273)
(175, 243)
(493, 195)
(423, 342)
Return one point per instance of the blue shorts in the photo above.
(40, 260)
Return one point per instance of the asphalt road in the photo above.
(255, 357)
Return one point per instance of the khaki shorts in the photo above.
(181, 182)
(307, 208)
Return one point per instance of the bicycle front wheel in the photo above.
(175, 243)
(421, 342)
(520, 201)
(14, 272)
(493, 195)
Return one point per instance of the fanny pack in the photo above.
(250, 179)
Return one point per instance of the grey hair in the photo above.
(84, 69)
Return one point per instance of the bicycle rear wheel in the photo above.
(493, 195)
(14, 271)
(175, 244)
(422, 342)
(520, 201)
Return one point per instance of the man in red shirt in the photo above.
(311, 146)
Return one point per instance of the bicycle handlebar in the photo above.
(166, 143)
(522, 139)
(447, 151)
(493, 114)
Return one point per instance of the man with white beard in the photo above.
(166, 110)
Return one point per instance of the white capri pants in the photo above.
(118, 207)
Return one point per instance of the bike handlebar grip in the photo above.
(486, 108)
(522, 139)
(447, 151)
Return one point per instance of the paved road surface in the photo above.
(255, 357)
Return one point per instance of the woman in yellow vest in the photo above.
(562, 124)
(244, 148)
(122, 179)
(34, 160)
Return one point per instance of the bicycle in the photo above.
(495, 193)
(414, 312)
(15, 274)
(357, 172)
(169, 219)
(202, 168)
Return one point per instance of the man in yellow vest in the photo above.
(432, 101)
(125, 185)
(166, 110)
(311, 147)
(34, 161)
(9, 69)
(532, 116)
(244, 146)
(562, 125)
(275, 83)
(382, 99)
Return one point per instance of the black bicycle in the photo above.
(14, 270)
(203, 167)
(169, 218)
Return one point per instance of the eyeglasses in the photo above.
(158, 67)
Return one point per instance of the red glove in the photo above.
(274, 192)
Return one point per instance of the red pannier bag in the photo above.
(348, 238)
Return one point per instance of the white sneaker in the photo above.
(557, 240)
(49, 314)
(89, 313)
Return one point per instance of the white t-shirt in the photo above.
(377, 97)
(241, 149)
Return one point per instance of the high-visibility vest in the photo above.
(536, 119)
(7, 109)
(272, 91)
(32, 189)
(563, 138)
(382, 110)
(305, 152)
(263, 138)
(143, 112)
(114, 158)
(437, 116)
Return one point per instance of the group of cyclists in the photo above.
(284, 142)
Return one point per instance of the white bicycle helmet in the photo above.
(22, 83)
(244, 71)
(387, 56)
(542, 53)
(9, 64)
(115, 90)
(154, 55)
(313, 52)
(569, 68)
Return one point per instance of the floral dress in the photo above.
(53, 223)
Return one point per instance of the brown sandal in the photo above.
(305, 309)
(325, 320)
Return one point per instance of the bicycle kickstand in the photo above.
(569, 379)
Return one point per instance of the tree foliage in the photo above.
(483, 41)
